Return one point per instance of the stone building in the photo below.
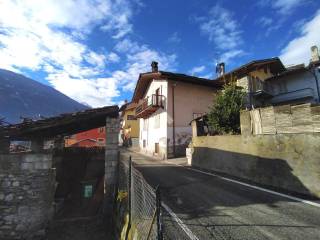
(27, 179)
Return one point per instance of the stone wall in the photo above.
(111, 165)
(26, 195)
(287, 161)
(302, 118)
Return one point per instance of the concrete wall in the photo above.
(26, 195)
(287, 161)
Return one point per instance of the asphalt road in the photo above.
(213, 208)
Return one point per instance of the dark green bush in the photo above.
(224, 115)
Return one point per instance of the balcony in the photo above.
(149, 105)
(261, 89)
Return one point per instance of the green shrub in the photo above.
(224, 115)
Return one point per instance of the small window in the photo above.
(101, 130)
(144, 143)
(131, 117)
(100, 140)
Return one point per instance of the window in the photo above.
(196, 115)
(100, 140)
(157, 121)
(131, 117)
(101, 130)
(144, 143)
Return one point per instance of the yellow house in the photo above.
(129, 125)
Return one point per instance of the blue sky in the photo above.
(93, 51)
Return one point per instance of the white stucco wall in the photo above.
(153, 133)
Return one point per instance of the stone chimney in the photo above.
(314, 54)
(220, 69)
(154, 66)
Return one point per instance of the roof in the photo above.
(291, 70)
(64, 124)
(131, 105)
(146, 78)
(275, 65)
(294, 70)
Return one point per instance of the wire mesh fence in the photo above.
(144, 205)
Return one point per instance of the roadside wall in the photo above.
(302, 118)
(287, 161)
(26, 195)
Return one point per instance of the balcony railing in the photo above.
(260, 88)
(149, 105)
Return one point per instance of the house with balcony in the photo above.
(166, 103)
(297, 84)
(269, 82)
(129, 125)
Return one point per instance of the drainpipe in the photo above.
(313, 72)
(173, 122)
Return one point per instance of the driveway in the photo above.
(210, 207)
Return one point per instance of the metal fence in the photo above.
(144, 203)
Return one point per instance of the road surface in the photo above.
(213, 208)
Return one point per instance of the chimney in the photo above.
(154, 66)
(220, 69)
(314, 54)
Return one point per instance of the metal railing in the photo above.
(144, 204)
(260, 86)
(150, 101)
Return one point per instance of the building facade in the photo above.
(129, 125)
(91, 138)
(166, 104)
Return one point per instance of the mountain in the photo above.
(22, 96)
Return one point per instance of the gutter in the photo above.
(173, 122)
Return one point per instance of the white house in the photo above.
(167, 102)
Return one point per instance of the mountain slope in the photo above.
(22, 96)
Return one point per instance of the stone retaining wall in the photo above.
(287, 161)
(26, 195)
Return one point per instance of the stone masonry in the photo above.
(26, 195)
(111, 162)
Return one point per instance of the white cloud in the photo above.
(227, 56)
(298, 50)
(113, 57)
(221, 28)
(50, 36)
(265, 21)
(284, 7)
(198, 69)
(174, 38)
(139, 58)
(224, 31)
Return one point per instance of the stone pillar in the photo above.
(194, 128)
(4, 145)
(111, 163)
(36, 145)
(58, 142)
